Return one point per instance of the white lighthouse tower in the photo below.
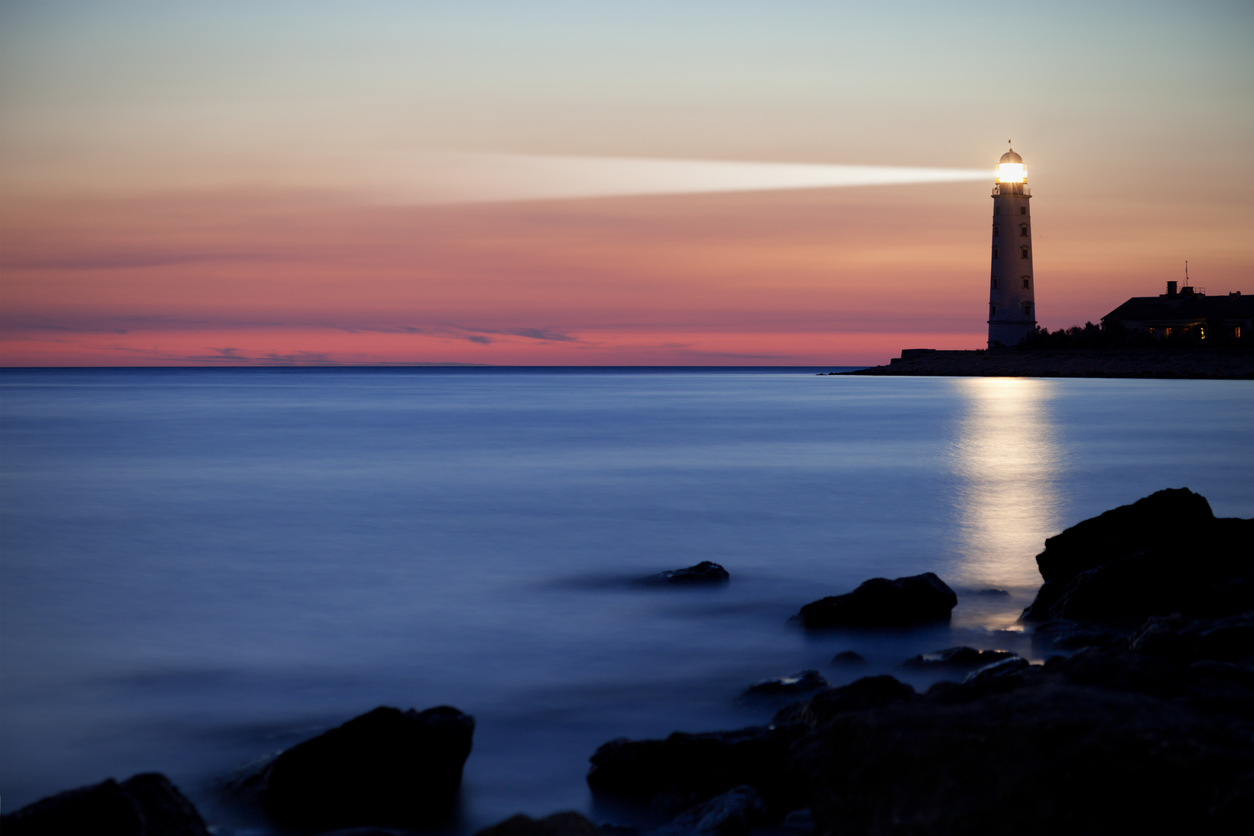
(1012, 284)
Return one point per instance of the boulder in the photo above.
(1162, 554)
(1003, 669)
(879, 602)
(868, 692)
(849, 659)
(956, 659)
(731, 813)
(1056, 752)
(1064, 634)
(687, 769)
(1187, 640)
(146, 804)
(559, 824)
(704, 573)
(785, 686)
(386, 768)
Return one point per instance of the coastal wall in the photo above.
(1222, 364)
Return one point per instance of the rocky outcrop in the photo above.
(1103, 742)
(687, 769)
(1162, 554)
(143, 805)
(879, 602)
(785, 686)
(567, 823)
(868, 692)
(1175, 637)
(729, 814)
(387, 768)
(705, 573)
(956, 659)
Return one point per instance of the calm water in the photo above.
(204, 566)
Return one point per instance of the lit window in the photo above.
(1023, 210)
(1025, 251)
(994, 282)
(994, 252)
(1026, 282)
(1023, 231)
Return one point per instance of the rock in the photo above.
(1064, 634)
(956, 658)
(868, 692)
(146, 804)
(998, 670)
(799, 822)
(1187, 640)
(733, 812)
(992, 593)
(687, 769)
(1162, 554)
(559, 824)
(386, 768)
(847, 658)
(879, 602)
(704, 573)
(1051, 755)
(786, 686)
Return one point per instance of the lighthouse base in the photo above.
(1009, 333)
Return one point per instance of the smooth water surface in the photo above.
(203, 566)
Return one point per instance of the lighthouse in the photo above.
(1012, 284)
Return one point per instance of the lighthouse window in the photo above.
(994, 283)
(996, 210)
(1023, 231)
(996, 230)
(1026, 282)
(992, 310)
(1027, 309)
(1023, 210)
(994, 252)
(1025, 252)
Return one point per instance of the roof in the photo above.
(1010, 157)
(1186, 307)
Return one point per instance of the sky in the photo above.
(589, 183)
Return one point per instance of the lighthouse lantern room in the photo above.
(1012, 284)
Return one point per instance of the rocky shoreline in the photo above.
(1140, 718)
(1160, 363)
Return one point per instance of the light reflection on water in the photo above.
(1010, 462)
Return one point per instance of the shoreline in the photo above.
(1144, 363)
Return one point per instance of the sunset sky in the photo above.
(534, 183)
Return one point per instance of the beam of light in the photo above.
(469, 177)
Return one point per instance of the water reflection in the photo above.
(1009, 462)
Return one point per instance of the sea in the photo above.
(201, 567)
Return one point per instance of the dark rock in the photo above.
(559, 824)
(879, 602)
(868, 692)
(799, 822)
(786, 686)
(143, 805)
(998, 670)
(956, 658)
(733, 812)
(1064, 634)
(1162, 554)
(387, 768)
(993, 593)
(704, 573)
(848, 658)
(687, 769)
(1052, 755)
(1187, 640)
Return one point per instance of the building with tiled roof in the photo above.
(1186, 311)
